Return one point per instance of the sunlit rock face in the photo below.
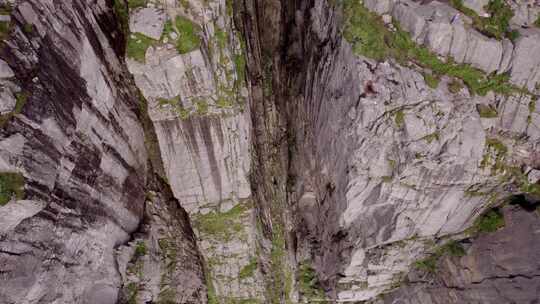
(257, 151)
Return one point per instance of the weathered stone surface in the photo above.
(147, 21)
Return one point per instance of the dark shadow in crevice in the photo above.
(522, 201)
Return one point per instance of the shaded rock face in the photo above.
(498, 267)
(76, 137)
(360, 162)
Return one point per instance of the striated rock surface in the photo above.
(74, 166)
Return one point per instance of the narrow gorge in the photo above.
(269, 151)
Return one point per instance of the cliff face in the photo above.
(269, 151)
(74, 164)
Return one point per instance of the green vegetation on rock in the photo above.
(455, 86)
(21, 99)
(11, 185)
(431, 81)
(121, 11)
(222, 224)
(176, 105)
(248, 270)
(140, 248)
(486, 111)
(188, 35)
(494, 26)
(132, 4)
(489, 222)
(399, 118)
(371, 38)
(308, 284)
(494, 155)
(429, 264)
(537, 22)
(137, 45)
(4, 29)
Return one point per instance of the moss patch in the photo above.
(188, 35)
(11, 185)
(223, 225)
(537, 22)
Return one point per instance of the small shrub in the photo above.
(489, 222)
(140, 249)
(537, 22)
(11, 185)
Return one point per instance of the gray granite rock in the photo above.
(147, 21)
